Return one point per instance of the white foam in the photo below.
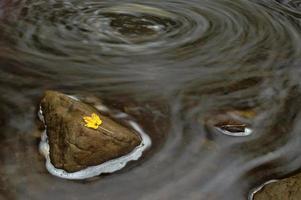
(102, 108)
(40, 115)
(252, 194)
(121, 115)
(73, 97)
(106, 167)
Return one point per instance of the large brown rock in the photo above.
(72, 145)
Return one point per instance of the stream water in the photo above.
(214, 83)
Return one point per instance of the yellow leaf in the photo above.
(92, 122)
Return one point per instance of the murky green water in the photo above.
(178, 68)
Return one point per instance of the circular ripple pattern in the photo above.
(178, 68)
(104, 28)
(73, 29)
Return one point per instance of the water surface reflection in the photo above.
(174, 66)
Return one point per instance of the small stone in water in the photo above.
(233, 128)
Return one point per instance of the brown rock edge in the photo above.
(72, 145)
(285, 189)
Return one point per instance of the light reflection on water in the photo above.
(175, 66)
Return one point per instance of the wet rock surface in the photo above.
(285, 189)
(73, 146)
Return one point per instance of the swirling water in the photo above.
(178, 68)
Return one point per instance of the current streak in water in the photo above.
(179, 68)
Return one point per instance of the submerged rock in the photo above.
(73, 145)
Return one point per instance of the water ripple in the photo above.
(179, 68)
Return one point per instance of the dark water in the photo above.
(178, 68)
